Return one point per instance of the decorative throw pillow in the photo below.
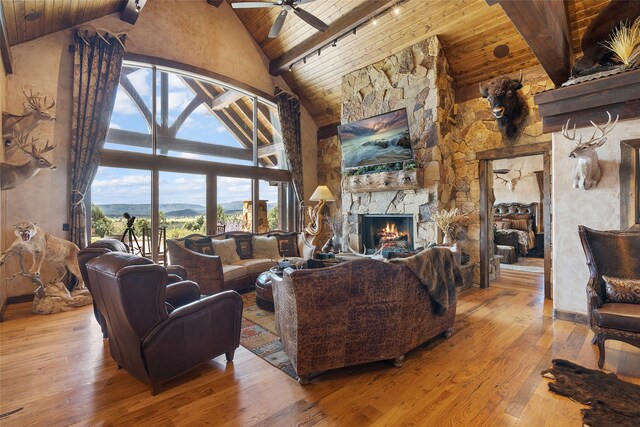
(202, 246)
(287, 244)
(265, 247)
(622, 290)
(520, 224)
(226, 250)
(244, 246)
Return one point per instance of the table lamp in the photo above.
(321, 195)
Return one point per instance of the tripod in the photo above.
(131, 233)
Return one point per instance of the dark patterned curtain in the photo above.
(289, 111)
(96, 73)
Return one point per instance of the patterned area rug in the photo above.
(259, 335)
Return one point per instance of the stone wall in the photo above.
(476, 130)
(416, 79)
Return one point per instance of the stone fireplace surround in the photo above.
(415, 79)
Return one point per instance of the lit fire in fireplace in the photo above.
(390, 236)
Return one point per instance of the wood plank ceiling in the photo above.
(469, 31)
(56, 15)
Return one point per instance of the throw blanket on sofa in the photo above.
(438, 272)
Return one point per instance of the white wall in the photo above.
(189, 32)
(597, 208)
(526, 189)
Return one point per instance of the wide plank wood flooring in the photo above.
(56, 370)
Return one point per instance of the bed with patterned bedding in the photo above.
(516, 222)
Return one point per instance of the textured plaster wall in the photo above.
(526, 189)
(190, 32)
(597, 208)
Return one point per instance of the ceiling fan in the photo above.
(286, 6)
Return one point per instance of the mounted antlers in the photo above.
(511, 182)
(586, 173)
(14, 175)
(36, 110)
(36, 102)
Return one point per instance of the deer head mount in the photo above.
(509, 182)
(36, 109)
(586, 173)
(14, 175)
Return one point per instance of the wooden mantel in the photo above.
(617, 94)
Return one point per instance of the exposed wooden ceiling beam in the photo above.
(337, 30)
(544, 27)
(223, 100)
(130, 10)
(4, 44)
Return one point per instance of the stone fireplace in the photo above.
(414, 79)
(391, 233)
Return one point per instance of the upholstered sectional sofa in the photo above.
(354, 312)
(233, 260)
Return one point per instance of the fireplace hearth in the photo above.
(389, 233)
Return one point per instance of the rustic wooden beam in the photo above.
(337, 30)
(544, 27)
(328, 131)
(619, 94)
(130, 160)
(166, 142)
(4, 44)
(223, 100)
(130, 10)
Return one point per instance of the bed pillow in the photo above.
(265, 247)
(226, 250)
(202, 246)
(503, 225)
(520, 224)
(622, 290)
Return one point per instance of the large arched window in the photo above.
(188, 153)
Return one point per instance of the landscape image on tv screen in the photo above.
(377, 140)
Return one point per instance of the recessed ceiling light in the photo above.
(501, 51)
(33, 15)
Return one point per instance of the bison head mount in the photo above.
(506, 105)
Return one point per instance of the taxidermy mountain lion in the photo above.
(44, 247)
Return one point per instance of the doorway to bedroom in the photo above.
(515, 217)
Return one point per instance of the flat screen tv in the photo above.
(375, 141)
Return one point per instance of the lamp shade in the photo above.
(322, 193)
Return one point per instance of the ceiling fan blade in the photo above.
(252, 4)
(297, 2)
(310, 19)
(277, 25)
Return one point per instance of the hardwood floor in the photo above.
(56, 370)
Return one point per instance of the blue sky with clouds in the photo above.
(114, 185)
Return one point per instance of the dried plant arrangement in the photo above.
(447, 220)
(625, 43)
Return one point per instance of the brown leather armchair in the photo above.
(176, 295)
(151, 341)
(615, 254)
